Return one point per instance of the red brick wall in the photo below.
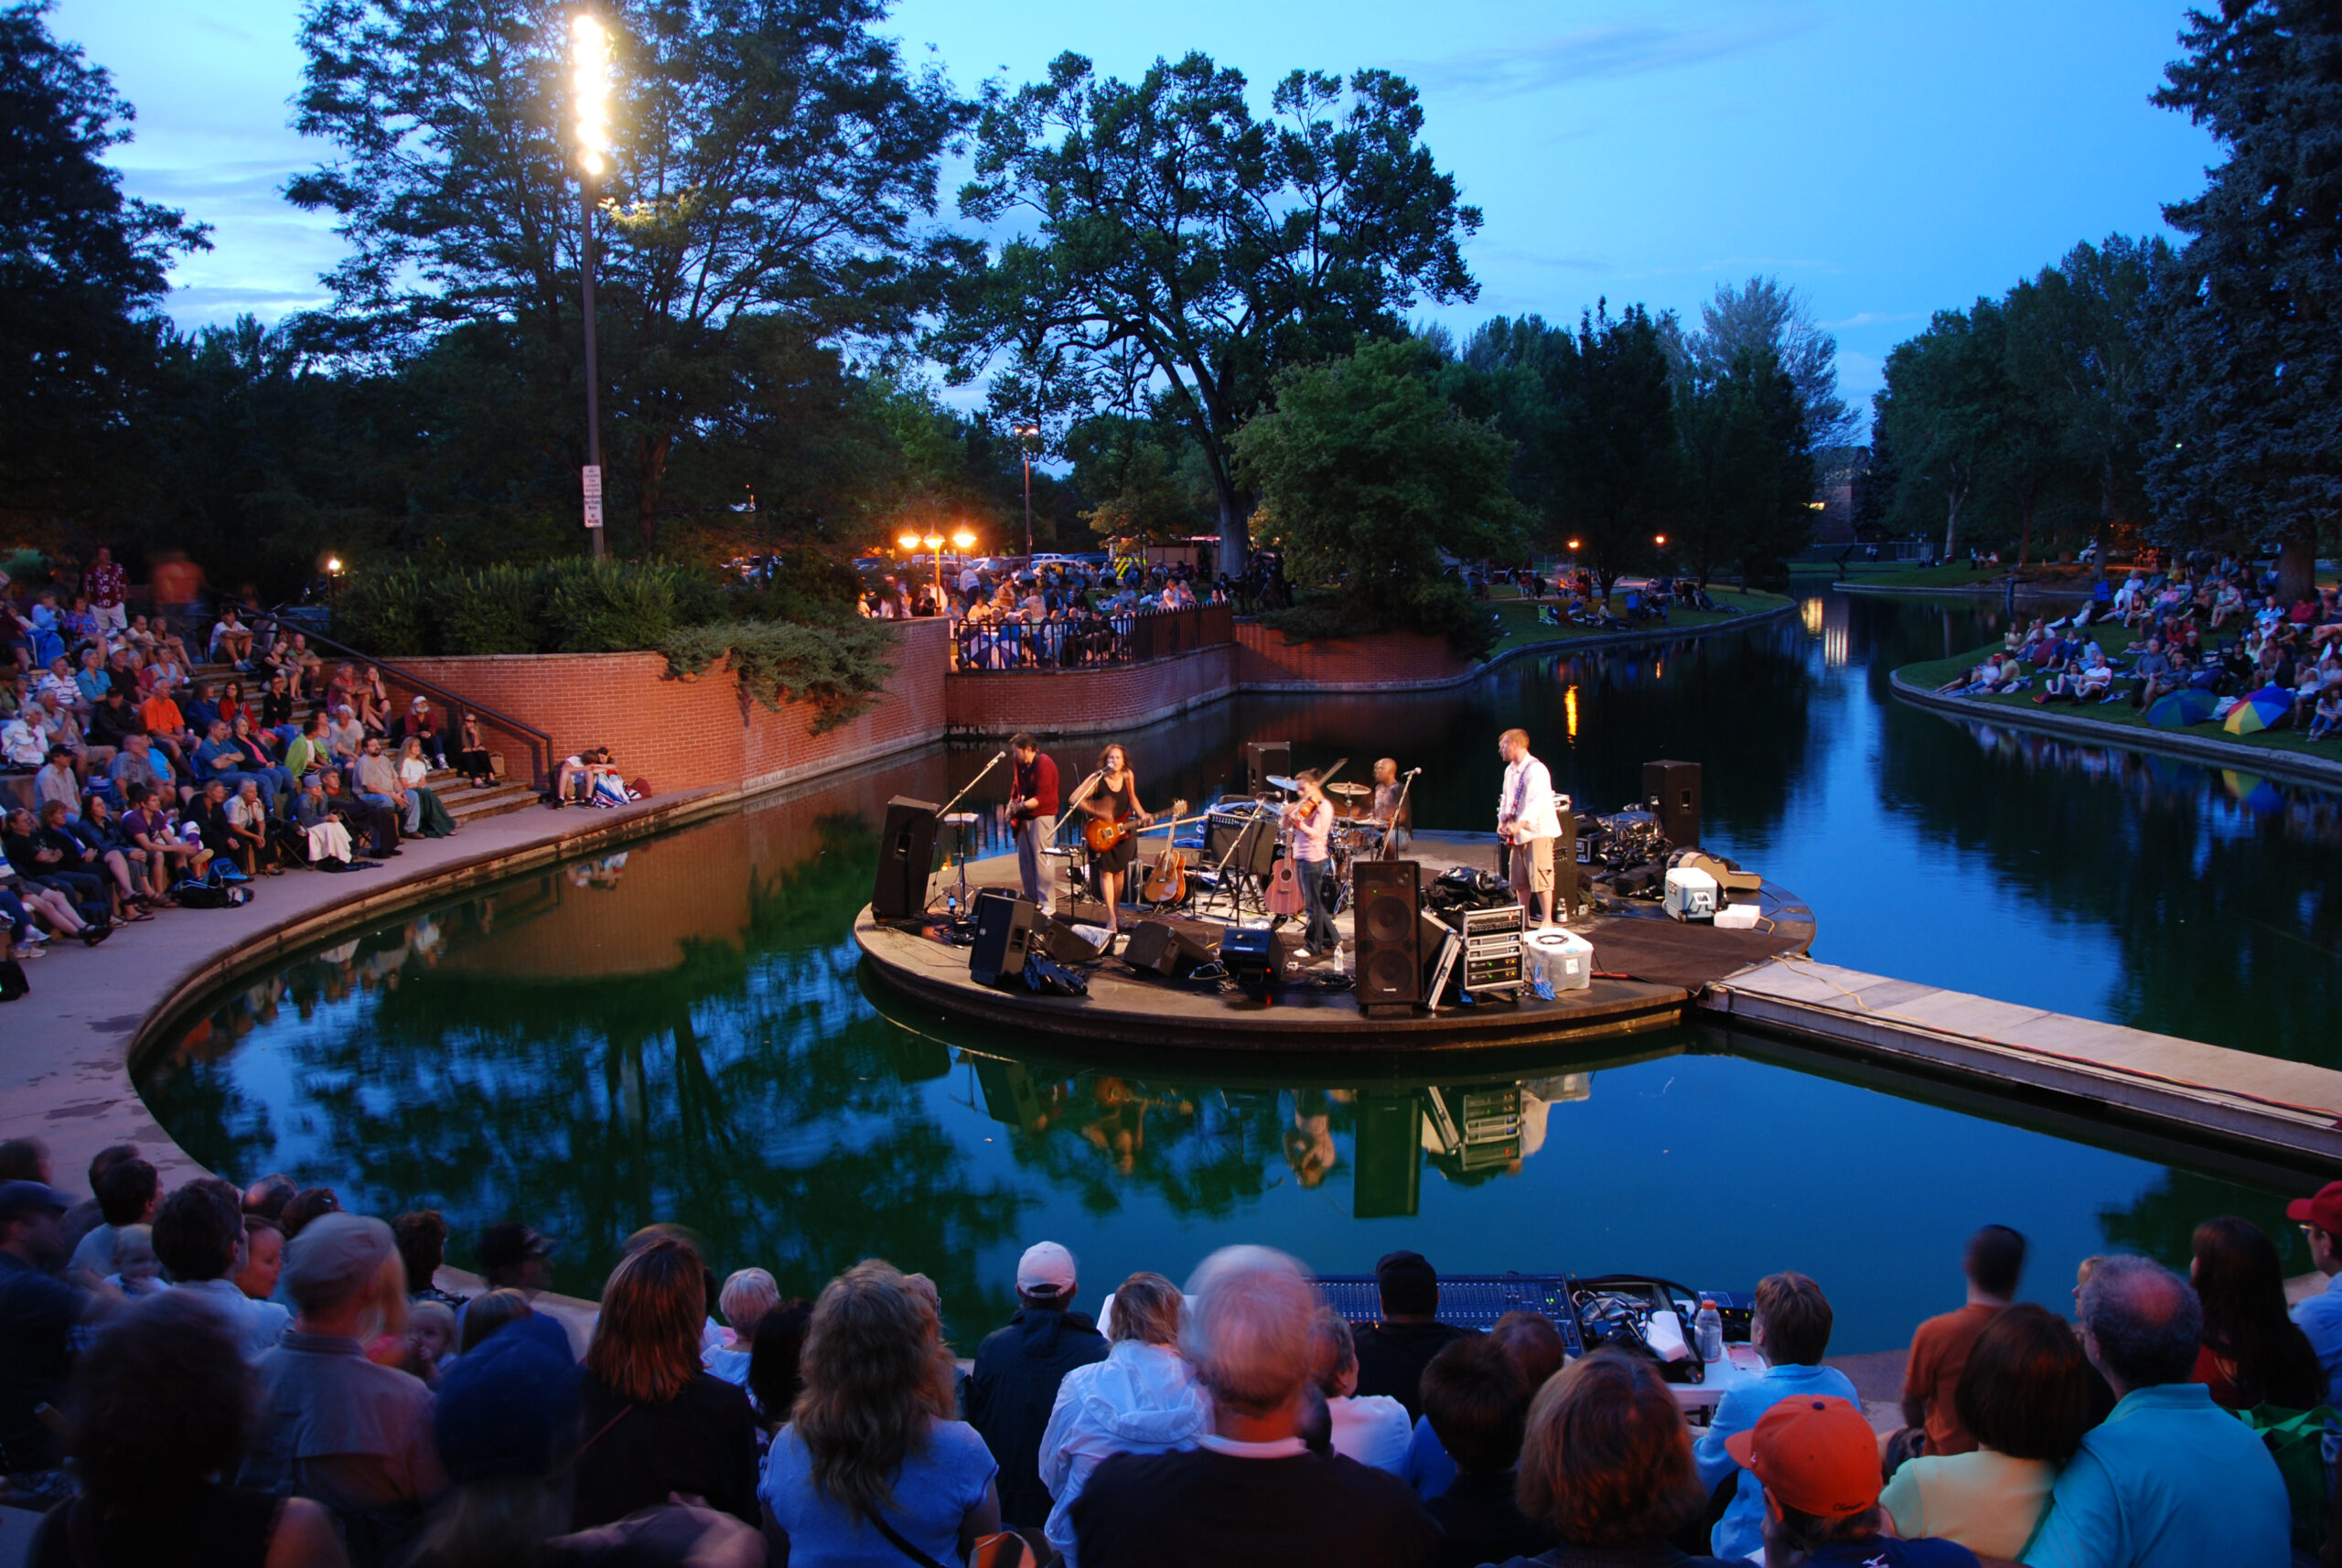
(691, 732)
(1078, 701)
(1387, 660)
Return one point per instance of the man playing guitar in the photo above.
(1115, 800)
(1032, 806)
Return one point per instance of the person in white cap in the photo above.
(1014, 1383)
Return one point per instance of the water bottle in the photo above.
(1341, 958)
(1707, 1329)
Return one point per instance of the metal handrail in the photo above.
(1012, 645)
(537, 739)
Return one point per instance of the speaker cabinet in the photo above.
(1676, 787)
(1060, 941)
(1003, 935)
(1263, 757)
(1254, 843)
(906, 859)
(1389, 897)
(1158, 948)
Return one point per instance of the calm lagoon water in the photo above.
(683, 1031)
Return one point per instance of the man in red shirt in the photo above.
(1993, 1261)
(1032, 807)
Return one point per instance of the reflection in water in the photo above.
(683, 1031)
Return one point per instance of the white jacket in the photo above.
(1141, 1399)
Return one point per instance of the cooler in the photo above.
(1563, 959)
(1691, 895)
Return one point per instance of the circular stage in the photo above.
(1648, 968)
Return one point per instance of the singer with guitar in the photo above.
(1311, 818)
(1114, 804)
(1032, 807)
(1528, 823)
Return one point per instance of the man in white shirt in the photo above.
(199, 1237)
(1528, 824)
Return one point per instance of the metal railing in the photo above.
(1083, 641)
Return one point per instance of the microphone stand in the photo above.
(1398, 815)
(960, 899)
(1072, 882)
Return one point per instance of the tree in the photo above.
(1748, 473)
(1612, 466)
(1134, 480)
(1765, 317)
(2246, 335)
(1369, 476)
(1182, 250)
(1945, 397)
(82, 271)
(773, 177)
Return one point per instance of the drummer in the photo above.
(1389, 815)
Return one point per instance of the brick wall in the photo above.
(1388, 660)
(689, 732)
(1082, 701)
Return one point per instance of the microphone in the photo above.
(1412, 771)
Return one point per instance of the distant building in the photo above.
(1835, 468)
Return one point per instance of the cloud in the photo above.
(1874, 318)
(1603, 53)
(1508, 256)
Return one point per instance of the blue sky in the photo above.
(1887, 157)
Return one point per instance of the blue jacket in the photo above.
(1741, 1530)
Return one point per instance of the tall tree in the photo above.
(1943, 408)
(1131, 477)
(1764, 316)
(1613, 456)
(772, 163)
(2247, 321)
(1748, 473)
(82, 271)
(1176, 245)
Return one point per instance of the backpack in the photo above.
(221, 887)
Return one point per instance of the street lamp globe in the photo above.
(591, 55)
(964, 540)
(907, 540)
(933, 542)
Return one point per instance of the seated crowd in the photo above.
(1054, 614)
(279, 1382)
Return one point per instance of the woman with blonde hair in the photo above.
(655, 1424)
(1141, 1399)
(875, 1469)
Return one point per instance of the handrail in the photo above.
(538, 739)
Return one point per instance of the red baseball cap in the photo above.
(1816, 1454)
(2324, 1210)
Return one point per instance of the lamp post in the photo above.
(1026, 434)
(590, 56)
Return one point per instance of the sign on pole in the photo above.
(593, 494)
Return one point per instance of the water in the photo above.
(683, 1031)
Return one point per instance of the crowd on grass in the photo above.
(257, 1377)
(2213, 628)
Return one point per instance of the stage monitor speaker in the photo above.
(905, 858)
(1248, 949)
(1011, 1098)
(1256, 855)
(1060, 941)
(1160, 947)
(1003, 935)
(1263, 757)
(1388, 900)
(1676, 787)
(1388, 1183)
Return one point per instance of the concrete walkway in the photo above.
(2274, 1107)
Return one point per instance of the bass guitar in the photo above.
(1102, 833)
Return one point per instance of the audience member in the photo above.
(1818, 1461)
(1014, 1385)
(1993, 1263)
(2252, 1353)
(1606, 1460)
(514, 1257)
(88, 1214)
(2169, 1480)
(156, 1424)
(1250, 1493)
(24, 1159)
(423, 1248)
(2320, 1315)
(487, 1313)
(128, 1193)
(1790, 1328)
(2024, 1400)
(658, 1423)
(199, 1236)
(137, 1271)
(1392, 1354)
(506, 1424)
(775, 1376)
(1478, 1402)
(38, 1313)
(305, 1207)
(1372, 1429)
(745, 1299)
(872, 1468)
(268, 1195)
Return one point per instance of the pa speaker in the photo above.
(1263, 757)
(1003, 935)
(1676, 787)
(905, 858)
(1158, 948)
(1388, 896)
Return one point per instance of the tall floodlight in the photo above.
(1026, 435)
(590, 58)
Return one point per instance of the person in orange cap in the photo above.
(1818, 1461)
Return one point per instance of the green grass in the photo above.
(1520, 628)
(2120, 716)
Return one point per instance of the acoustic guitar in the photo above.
(1168, 882)
(1284, 897)
(1102, 833)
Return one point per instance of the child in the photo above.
(2329, 713)
(137, 1271)
(746, 1296)
(431, 1333)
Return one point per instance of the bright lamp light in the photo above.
(964, 540)
(591, 56)
(907, 540)
(933, 542)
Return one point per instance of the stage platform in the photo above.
(1649, 970)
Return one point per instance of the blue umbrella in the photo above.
(2181, 709)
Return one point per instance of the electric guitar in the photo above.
(1102, 833)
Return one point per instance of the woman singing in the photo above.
(1115, 799)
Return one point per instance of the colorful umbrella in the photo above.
(2181, 709)
(2259, 712)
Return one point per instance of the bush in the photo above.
(389, 611)
(497, 609)
(839, 668)
(1440, 608)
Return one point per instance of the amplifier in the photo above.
(1492, 922)
(1469, 1301)
(1492, 948)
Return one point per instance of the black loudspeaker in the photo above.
(1255, 854)
(1248, 949)
(1263, 757)
(1388, 1184)
(906, 859)
(1160, 947)
(1003, 935)
(1676, 787)
(1388, 898)
(1062, 942)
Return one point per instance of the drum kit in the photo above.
(1241, 837)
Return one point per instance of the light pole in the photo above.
(1026, 434)
(590, 56)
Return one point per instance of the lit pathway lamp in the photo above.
(590, 56)
(1026, 435)
(934, 541)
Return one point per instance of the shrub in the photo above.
(838, 668)
(389, 611)
(497, 609)
(1439, 607)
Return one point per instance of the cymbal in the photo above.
(1281, 782)
(1351, 790)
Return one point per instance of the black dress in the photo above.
(1120, 857)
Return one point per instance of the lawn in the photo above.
(1956, 574)
(2115, 716)
(1520, 628)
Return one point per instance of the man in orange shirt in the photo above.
(1994, 1263)
(166, 726)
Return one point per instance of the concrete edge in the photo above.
(2290, 766)
(1992, 590)
(1639, 638)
